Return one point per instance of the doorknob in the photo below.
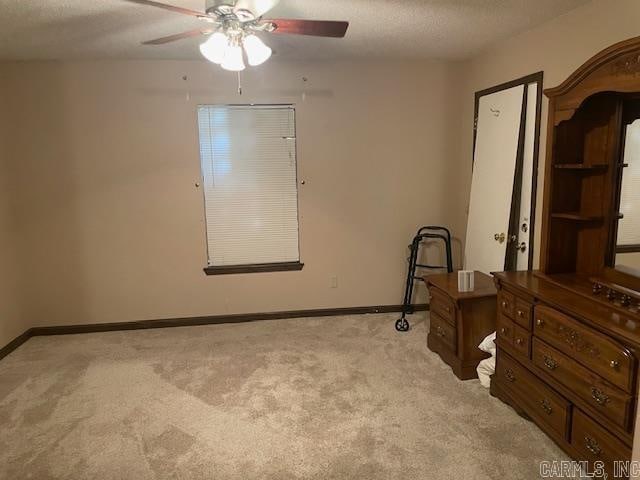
(500, 237)
(522, 247)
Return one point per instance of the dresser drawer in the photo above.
(506, 303)
(610, 401)
(443, 331)
(442, 305)
(522, 313)
(538, 400)
(601, 354)
(521, 341)
(595, 444)
(504, 330)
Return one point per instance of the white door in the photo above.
(499, 117)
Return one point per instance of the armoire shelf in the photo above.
(582, 167)
(577, 217)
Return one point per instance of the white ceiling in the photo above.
(96, 29)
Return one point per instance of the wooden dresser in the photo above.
(460, 321)
(569, 363)
(568, 336)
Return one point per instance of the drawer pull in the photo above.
(509, 375)
(519, 341)
(614, 364)
(599, 397)
(504, 304)
(440, 331)
(546, 406)
(550, 363)
(503, 330)
(592, 446)
(539, 322)
(520, 313)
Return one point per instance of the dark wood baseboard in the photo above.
(15, 343)
(196, 321)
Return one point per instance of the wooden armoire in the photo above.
(568, 336)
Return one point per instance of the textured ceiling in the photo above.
(96, 29)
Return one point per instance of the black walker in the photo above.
(429, 232)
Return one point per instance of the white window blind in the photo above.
(629, 226)
(248, 157)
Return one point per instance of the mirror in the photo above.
(627, 249)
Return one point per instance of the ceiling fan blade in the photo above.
(178, 36)
(172, 8)
(318, 28)
(257, 7)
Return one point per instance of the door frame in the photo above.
(537, 78)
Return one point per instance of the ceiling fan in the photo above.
(231, 27)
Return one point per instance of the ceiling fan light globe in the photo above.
(233, 60)
(257, 51)
(214, 49)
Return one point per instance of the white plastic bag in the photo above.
(487, 367)
(488, 344)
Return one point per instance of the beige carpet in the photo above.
(327, 398)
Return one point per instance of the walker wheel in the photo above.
(402, 325)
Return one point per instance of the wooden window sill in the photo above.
(628, 248)
(257, 268)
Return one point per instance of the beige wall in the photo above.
(10, 316)
(112, 225)
(105, 159)
(557, 48)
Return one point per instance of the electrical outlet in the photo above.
(334, 282)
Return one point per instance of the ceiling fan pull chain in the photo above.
(239, 84)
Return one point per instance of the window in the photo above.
(248, 159)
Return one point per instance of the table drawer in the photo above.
(603, 355)
(538, 400)
(521, 341)
(506, 303)
(522, 313)
(443, 331)
(442, 305)
(610, 401)
(595, 444)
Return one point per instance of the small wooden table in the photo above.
(460, 321)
